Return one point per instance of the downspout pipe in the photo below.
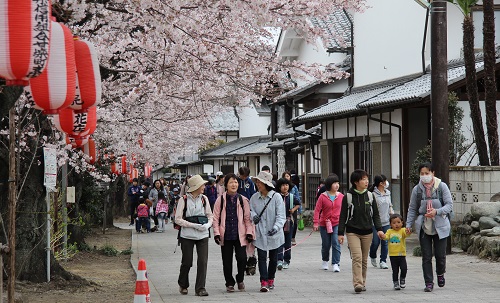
(425, 40)
(400, 133)
(351, 51)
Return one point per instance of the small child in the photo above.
(142, 215)
(161, 211)
(396, 237)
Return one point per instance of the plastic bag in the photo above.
(300, 224)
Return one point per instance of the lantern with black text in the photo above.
(76, 124)
(55, 88)
(88, 76)
(76, 141)
(24, 39)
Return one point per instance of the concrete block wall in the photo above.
(472, 184)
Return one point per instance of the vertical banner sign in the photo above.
(50, 160)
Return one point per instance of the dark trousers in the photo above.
(427, 243)
(142, 221)
(132, 206)
(294, 229)
(187, 247)
(397, 263)
(285, 251)
(267, 273)
(155, 218)
(227, 261)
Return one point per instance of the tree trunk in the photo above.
(489, 79)
(471, 84)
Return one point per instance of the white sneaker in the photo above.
(325, 265)
(383, 265)
(374, 262)
(336, 268)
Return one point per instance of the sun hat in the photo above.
(265, 178)
(195, 182)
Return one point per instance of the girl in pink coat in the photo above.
(326, 220)
(233, 231)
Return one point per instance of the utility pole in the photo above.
(439, 94)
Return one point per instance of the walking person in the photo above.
(211, 192)
(384, 204)
(358, 214)
(219, 183)
(428, 215)
(194, 216)
(326, 220)
(396, 236)
(233, 230)
(153, 196)
(161, 212)
(268, 215)
(133, 193)
(291, 204)
(246, 188)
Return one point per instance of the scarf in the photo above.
(428, 193)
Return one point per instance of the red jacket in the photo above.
(326, 210)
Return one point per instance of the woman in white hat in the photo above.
(268, 215)
(195, 217)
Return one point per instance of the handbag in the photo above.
(286, 227)
(300, 224)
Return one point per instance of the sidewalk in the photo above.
(468, 278)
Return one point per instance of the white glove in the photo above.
(202, 227)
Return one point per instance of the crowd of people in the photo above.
(255, 220)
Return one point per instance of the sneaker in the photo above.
(358, 289)
(293, 241)
(363, 288)
(374, 262)
(383, 265)
(131, 224)
(202, 293)
(336, 268)
(324, 266)
(183, 291)
(270, 283)
(286, 265)
(428, 287)
(280, 265)
(396, 285)
(402, 283)
(230, 288)
(441, 280)
(263, 286)
(241, 286)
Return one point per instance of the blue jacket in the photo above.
(246, 187)
(134, 198)
(211, 193)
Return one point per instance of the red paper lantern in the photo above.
(124, 164)
(134, 173)
(24, 39)
(147, 170)
(76, 142)
(76, 124)
(114, 168)
(55, 88)
(88, 89)
(89, 150)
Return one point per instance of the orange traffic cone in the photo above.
(141, 284)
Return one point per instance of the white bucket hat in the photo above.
(219, 173)
(265, 178)
(195, 182)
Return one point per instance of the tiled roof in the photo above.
(280, 144)
(256, 148)
(225, 121)
(290, 132)
(299, 89)
(338, 28)
(227, 148)
(406, 89)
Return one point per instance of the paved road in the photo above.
(467, 279)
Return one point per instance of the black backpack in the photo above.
(240, 197)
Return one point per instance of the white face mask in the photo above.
(426, 178)
(386, 184)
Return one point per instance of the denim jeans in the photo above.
(267, 272)
(330, 241)
(426, 244)
(384, 249)
(285, 250)
(140, 222)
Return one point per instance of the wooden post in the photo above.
(12, 204)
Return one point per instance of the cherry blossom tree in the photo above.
(168, 66)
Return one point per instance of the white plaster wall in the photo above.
(396, 118)
(253, 124)
(387, 40)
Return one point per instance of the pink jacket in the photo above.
(161, 207)
(245, 225)
(329, 211)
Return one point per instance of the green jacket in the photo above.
(363, 216)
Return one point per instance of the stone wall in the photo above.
(471, 184)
